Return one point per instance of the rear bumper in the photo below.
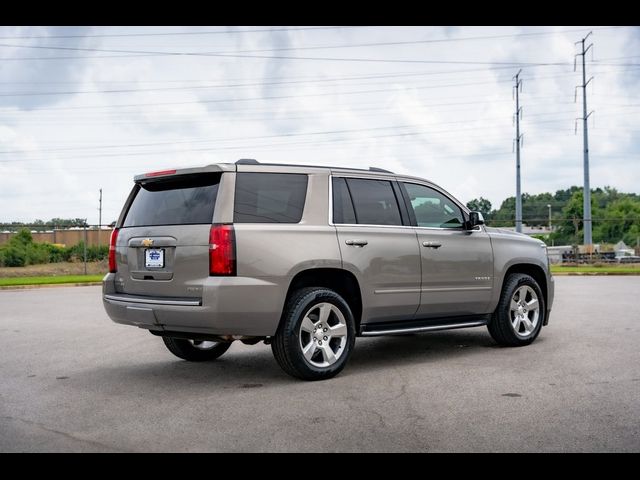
(228, 306)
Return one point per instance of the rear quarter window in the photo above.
(180, 200)
(269, 197)
(374, 202)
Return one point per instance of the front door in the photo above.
(457, 264)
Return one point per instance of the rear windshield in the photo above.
(181, 200)
(269, 197)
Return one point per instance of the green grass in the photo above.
(15, 281)
(596, 269)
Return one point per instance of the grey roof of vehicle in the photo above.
(248, 164)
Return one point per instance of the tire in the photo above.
(516, 322)
(309, 318)
(189, 350)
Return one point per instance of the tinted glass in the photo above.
(342, 206)
(269, 197)
(433, 209)
(374, 202)
(181, 200)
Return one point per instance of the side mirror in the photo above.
(475, 219)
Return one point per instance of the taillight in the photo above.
(113, 267)
(222, 250)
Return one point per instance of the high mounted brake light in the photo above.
(222, 250)
(159, 173)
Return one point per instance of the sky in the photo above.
(87, 108)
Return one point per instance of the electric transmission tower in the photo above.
(518, 141)
(587, 189)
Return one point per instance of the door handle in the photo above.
(431, 244)
(356, 243)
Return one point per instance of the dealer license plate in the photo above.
(154, 258)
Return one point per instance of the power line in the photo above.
(234, 139)
(77, 57)
(310, 77)
(483, 154)
(284, 147)
(355, 113)
(273, 115)
(414, 42)
(280, 57)
(319, 115)
(240, 85)
(328, 142)
(259, 137)
(234, 55)
(277, 97)
(296, 134)
(199, 87)
(350, 45)
(286, 57)
(315, 78)
(210, 32)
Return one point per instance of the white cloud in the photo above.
(453, 128)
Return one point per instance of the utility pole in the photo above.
(100, 221)
(550, 230)
(586, 221)
(518, 88)
(84, 227)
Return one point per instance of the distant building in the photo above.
(622, 250)
(534, 230)
(559, 253)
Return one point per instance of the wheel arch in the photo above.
(343, 282)
(534, 271)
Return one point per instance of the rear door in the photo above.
(457, 264)
(164, 236)
(378, 246)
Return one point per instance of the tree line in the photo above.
(21, 251)
(41, 225)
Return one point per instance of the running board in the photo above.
(431, 325)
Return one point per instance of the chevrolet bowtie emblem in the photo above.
(147, 242)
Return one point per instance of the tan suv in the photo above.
(307, 258)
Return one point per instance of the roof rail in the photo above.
(251, 161)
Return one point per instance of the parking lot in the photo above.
(71, 380)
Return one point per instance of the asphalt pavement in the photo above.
(71, 380)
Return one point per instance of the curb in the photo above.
(593, 274)
(49, 285)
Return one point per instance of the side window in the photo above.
(269, 197)
(342, 206)
(432, 209)
(374, 202)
